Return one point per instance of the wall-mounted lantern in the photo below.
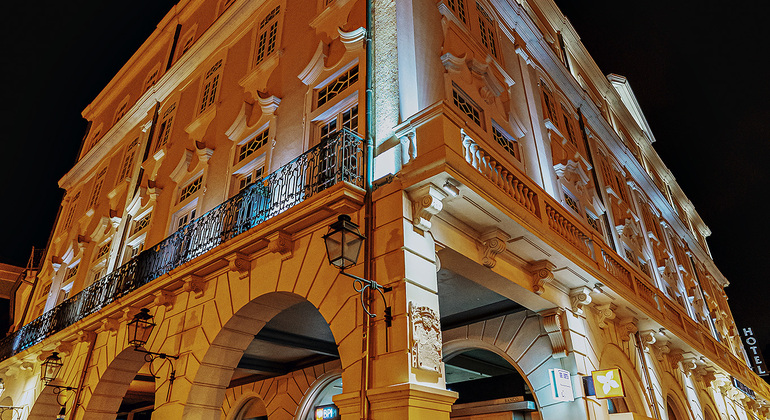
(138, 333)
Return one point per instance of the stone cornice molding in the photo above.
(426, 202)
(542, 274)
(552, 324)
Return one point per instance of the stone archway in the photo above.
(217, 363)
(105, 398)
(518, 338)
(613, 356)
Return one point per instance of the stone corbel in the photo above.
(27, 366)
(182, 167)
(195, 285)
(110, 324)
(494, 244)
(204, 152)
(65, 348)
(85, 336)
(353, 40)
(453, 64)
(689, 364)
(426, 202)
(553, 327)
(240, 263)
(542, 274)
(605, 314)
(648, 339)
(579, 297)
(197, 128)
(281, 243)
(675, 356)
(164, 298)
(627, 328)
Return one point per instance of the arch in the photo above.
(519, 342)
(613, 356)
(219, 359)
(673, 409)
(107, 395)
(252, 405)
(314, 390)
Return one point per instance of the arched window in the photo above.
(672, 411)
(319, 397)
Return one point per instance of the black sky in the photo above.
(699, 70)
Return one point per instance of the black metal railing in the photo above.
(336, 160)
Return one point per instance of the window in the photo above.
(128, 160)
(466, 105)
(165, 127)
(141, 224)
(568, 125)
(267, 35)
(211, 86)
(571, 201)
(506, 141)
(250, 177)
(487, 30)
(188, 42)
(191, 188)
(99, 264)
(331, 90)
(458, 8)
(548, 104)
(183, 217)
(97, 189)
(151, 79)
(247, 149)
(71, 212)
(345, 119)
(593, 221)
(122, 109)
(94, 139)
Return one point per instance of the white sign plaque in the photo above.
(561, 385)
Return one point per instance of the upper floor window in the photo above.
(95, 193)
(487, 30)
(506, 141)
(250, 146)
(458, 8)
(211, 86)
(549, 108)
(337, 86)
(71, 211)
(193, 187)
(152, 78)
(569, 125)
(94, 139)
(267, 35)
(345, 119)
(128, 160)
(189, 40)
(466, 105)
(122, 109)
(165, 127)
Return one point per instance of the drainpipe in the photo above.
(650, 389)
(368, 205)
(82, 382)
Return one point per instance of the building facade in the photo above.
(515, 212)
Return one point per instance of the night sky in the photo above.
(700, 75)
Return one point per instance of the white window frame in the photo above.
(270, 20)
(211, 85)
(188, 211)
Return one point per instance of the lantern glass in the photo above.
(140, 328)
(51, 367)
(343, 242)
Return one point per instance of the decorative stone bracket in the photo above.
(494, 244)
(579, 297)
(281, 243)
(164, 298)
(542, 274)
(606, 313)
(240, 263)
(627, 328)
(648, 339)
(426, 202)
(553, 327)
(195, 284)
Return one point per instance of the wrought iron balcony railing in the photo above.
(335, 160)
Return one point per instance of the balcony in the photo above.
(338, 160)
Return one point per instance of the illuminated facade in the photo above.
(525, 230)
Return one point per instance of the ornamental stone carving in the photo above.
(426, 202)
(240, 263)
(425, 343)
(579, 297)
(494, 244)
(553, 327)
(606, 313)
(281, 243)
(542, 274)
(627, 328)
(648, 339)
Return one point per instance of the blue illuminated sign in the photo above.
(327, 412)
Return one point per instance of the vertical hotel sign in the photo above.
(752, 348)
